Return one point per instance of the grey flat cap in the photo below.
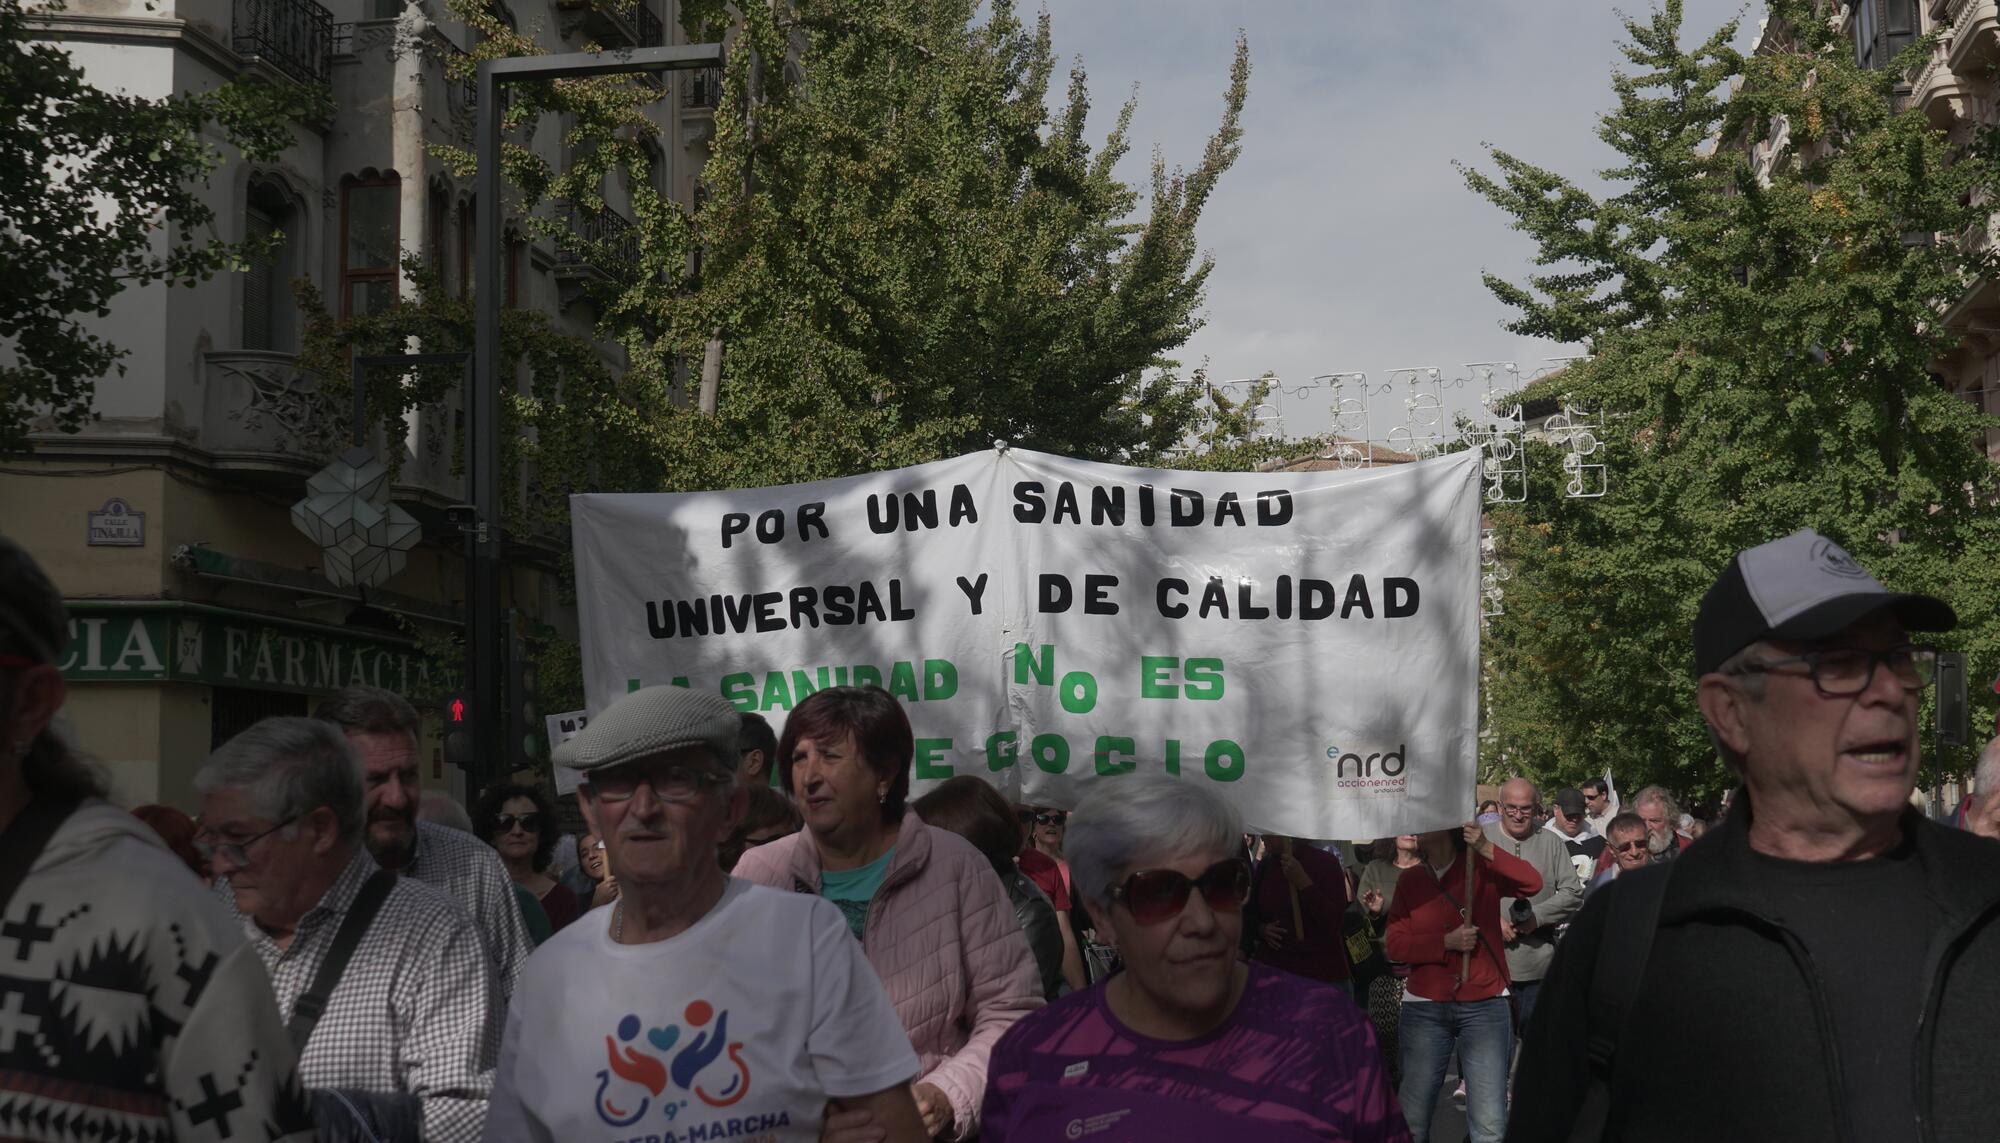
(653, 721)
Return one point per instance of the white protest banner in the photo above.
(562, 728)
(1307, 643)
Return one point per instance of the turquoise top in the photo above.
(852, 889)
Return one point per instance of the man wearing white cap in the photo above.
(696, 1006)
(1829, 958)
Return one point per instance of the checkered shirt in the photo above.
(417, 1012)
(470, 873)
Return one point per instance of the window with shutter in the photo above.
(259, 282)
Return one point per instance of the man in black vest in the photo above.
(1830, 957)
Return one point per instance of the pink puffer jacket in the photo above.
(942, 936)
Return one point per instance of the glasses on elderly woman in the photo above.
(530, 822)
(1155, 895)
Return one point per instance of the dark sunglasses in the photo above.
(532, 822)
(1629, 846)
(1155, 895)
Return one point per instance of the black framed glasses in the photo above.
(1839, 671)
(530, 821)
(669, 783)
(1155, 895)
(238, 852)
(1512, 810)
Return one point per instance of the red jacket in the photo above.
(1421, 915)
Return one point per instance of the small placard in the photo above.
(115, 526)
(562, 728)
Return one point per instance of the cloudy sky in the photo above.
(1344, 239)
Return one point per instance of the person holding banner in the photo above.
(925, 905)
(1445, 924)
(1187, 1041)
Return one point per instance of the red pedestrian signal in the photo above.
(458, 710)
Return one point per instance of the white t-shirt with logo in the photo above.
(739, 1029)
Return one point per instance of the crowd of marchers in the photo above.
(764, 937)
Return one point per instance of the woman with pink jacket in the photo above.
(930, 914)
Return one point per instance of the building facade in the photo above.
(196, 604)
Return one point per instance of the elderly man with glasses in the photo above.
(411, 1021)
(715, 1008)
(1837, 952)
(1529, 925)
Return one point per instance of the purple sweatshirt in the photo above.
(1296, 1060)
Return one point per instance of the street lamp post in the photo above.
(482, 632)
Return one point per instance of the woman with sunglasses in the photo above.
(520, 825)
(1186, 1041)
(930, 915)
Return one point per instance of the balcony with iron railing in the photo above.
(294, 37)
(633, 23)
(599, 243)
(701, 89)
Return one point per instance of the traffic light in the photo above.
(458, 748)
(524, 729)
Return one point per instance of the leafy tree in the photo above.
(902, 255)
(1764, 348)
(100, 192)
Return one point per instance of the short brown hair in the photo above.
(881, 730)
(1626, 822)
(975, 811)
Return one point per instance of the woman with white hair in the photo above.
(1187, 1041)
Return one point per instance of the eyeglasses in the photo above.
(1630, 846)
(505, 823)
(1518, 811)
(1155, 895)
(670, 784)
(1839, 671)
(238, 852)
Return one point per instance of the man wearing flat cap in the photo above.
(1828, 957)
(696, 1006)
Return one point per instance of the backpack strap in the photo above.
(306, 1012)
(22, 842)
(1629, 926)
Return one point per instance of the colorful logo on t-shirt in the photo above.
(643, 1067)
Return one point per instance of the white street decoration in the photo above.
(1307, 643)
(346, 514)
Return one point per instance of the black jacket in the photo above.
(1729, 1039)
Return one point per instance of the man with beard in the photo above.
(382, 727)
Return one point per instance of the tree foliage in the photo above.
(100, 192)
(1764, 349)
(903, 252)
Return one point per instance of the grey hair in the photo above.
(1986, 778)
(290, 766)
(443, 809)
(370, 710)
(1752, 683)
(1666, 801)
(1124, 824)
